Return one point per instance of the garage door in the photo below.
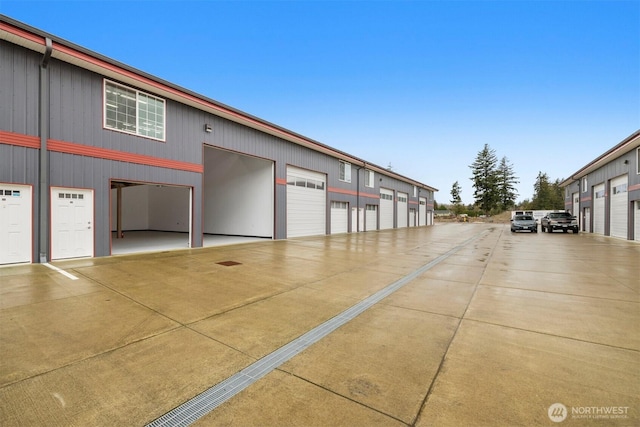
(619, 210)
(422, 211)
(15, 223)
(386, 209)
(413, 218)
(371, 219)
(636, 220)
(598, 209)
(576, 208)
(403, 209)
(306, 203)
(339, 217)
(71, 223)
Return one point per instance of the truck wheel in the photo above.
(564, 230)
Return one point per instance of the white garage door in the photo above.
(413, 220)
(619, 211)
(598, 209)
(636, 219)
(371, 220)
(339, 217)
(422, 211)
(403, 209)
(71, 223)
(15, 223)
(386, 209)
(576, 208)
(306, 203)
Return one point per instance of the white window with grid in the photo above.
(131, 111)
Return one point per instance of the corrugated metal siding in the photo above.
(19, 85)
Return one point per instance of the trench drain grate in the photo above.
(202, 404)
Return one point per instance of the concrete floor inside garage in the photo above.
(489, 328)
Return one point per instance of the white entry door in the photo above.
(357, 220)
(15, 223)
(71, 223)
(587, 220)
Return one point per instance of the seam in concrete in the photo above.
(207, 401)
(455, 333)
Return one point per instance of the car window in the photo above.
(527, 217)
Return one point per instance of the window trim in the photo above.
(369, 178)
(344, 173)
(584, 184)
(137, 117)
(638, 161)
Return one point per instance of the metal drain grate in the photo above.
(210, 399)
(229, 263)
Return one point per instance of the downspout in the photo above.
(43, 188)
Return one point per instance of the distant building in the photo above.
(605, 193)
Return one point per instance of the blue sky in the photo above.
(420, 85)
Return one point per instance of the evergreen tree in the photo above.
(484, 179)
(455, 197)
(547, 195)
(506, 181)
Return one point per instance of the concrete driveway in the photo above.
(455, 324)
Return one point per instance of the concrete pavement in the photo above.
(504, 327)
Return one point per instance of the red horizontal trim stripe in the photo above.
(108, 154)
(281, 181)
(586, 199)
(634, 187)
(352, 192)
(411, 202)
(12, 138)
(21, 33)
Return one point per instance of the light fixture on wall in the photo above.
(207, 128)
(626, 161)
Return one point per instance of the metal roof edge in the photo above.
(626, 145)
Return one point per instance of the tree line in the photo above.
(494, 184)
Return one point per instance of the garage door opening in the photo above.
(149, 217)
(238, 197)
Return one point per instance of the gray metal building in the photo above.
(91, 148)
(605, 193)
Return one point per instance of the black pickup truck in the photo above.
(559, 221)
